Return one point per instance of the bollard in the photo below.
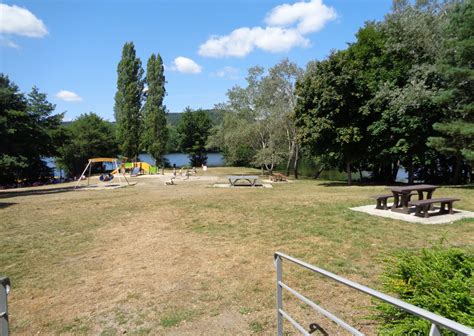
(4, 290)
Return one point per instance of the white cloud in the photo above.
(68, 96)
(286, 28)
(227, 72)
(5, 42)
(243, 41)
(15, 20)
(186, 65)
(310, 16)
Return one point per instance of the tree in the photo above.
(456, 132)
(328, 115)
(372, 104)
(282, 79)
(88, 136)
(155, 131)
(193, 129)
(258, 126)
(29, 131)
(128, 101)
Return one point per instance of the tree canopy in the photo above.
(128, 100)
(29, 131)
(193, 130)
(400, 95)
(258, 126)
(155, 131)
(88, 136)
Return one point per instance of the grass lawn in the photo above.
(193, 260)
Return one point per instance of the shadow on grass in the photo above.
(354, 184)
(468, 186)
(396, 184)
(33, 192)
(5, 205)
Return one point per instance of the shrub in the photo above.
(438, 279)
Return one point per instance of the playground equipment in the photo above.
(137, 168)
(104, 177)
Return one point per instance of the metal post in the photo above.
(89, 177)
(279, 272)
(4, 289)
(434, 331)
(80, 178)
(118, 172)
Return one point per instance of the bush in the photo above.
(438, 279)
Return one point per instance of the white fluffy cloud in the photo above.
(242, 41)
(68, 96)
(310, 16)
(286, 27)
(15, 20)
(186, 65)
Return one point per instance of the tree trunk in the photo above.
(349, 173)
(410, 172)
(263, 170)
(457, 169)
(315, 176)
(295, 164)
(394, 172)
(290, 157)
(360, 175)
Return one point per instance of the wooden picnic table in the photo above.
(402, 195)
(252, 179)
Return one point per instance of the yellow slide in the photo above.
(146, 167)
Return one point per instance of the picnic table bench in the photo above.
(382, 200)
(422, 206)
(252, 179)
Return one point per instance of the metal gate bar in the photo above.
(436, 320)
(4, 290)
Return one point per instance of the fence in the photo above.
(436, 321)
(4, 290)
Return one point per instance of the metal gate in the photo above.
(4, 290)
(436, 320)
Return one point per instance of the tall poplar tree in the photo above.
(128, 101)
(155, 132)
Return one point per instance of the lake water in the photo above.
(181, 159)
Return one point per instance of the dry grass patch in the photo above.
(188, 259)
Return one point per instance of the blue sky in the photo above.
(70, 49)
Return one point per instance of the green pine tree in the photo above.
(128, 101)
(29, 131)
(456, 132)
(155, 131)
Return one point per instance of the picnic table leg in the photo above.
(429, 194)
(425, 210)
(442, 208)
(396, 199)
(404, 203)
(420, 195)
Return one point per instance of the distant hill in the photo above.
(173, 117)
